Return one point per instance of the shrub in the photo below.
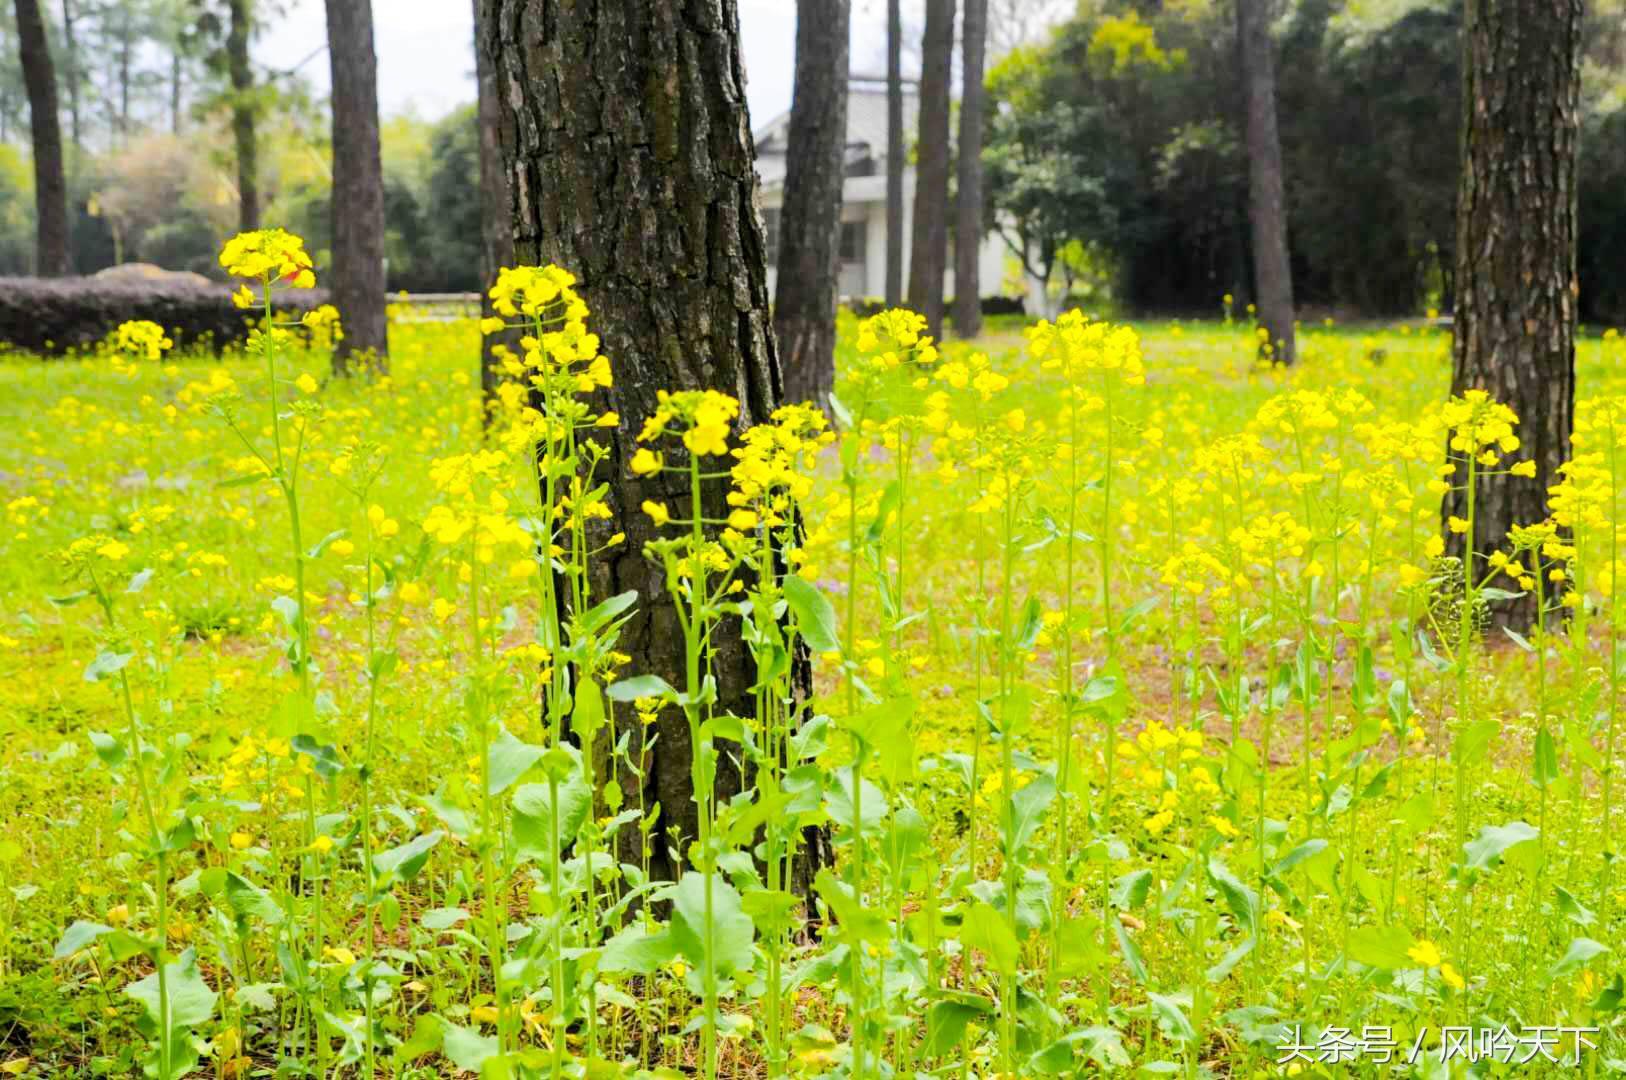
(54, 316)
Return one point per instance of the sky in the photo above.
(426, 60)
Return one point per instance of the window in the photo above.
(853, 235)
(770, 227)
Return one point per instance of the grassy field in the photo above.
(1155, 737)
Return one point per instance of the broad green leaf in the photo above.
(1582, 951)
(508, 759)
(1171, 1018)
(191, 1002)
(107, 662)
(947, 1020)
(78, 936)
(1381, 947)
(731, 929)
(466, 1047)
(1027, 810)
(1495, 841)
(640, 686)
(409, 858)
(533, 816)
(986, 930)
(1243, 901)
(815, 617)
(637, 950)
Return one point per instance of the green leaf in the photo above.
(857, 922)
(1473, 742)
(508, 759)
(408, 859)
(248, 899)
(1572, 909)
(1101, 1045)
(191, 1002)
(1131, 952)
(324, 543)
(109, 749)
(815, 617)
(1495, 841)
(637, 950)
(640, 686)
(533, 816)
(1129, 890)
(1582, 951)
(324, 758)
(80, 935)
(107, 662)
(1382, 947)
(986, 930)
(1171, 1018)
(587, 714)
(466, 1047)
(732, 932)
(601, 614)
(1306, 850)
(948, 1019)
(1028, 806)
(1243, 901)
(1544, 762)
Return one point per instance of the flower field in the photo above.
(1151, 730)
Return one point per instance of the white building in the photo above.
(863, 200)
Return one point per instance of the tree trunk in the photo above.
(627, 147)
(126, 45)
(50, 185)
(70, 55)
(358, 189)
(1514, 325)
(1267, 211)
(175, 88)
(804, 316)
(242, 116)
(928, 254)
(496, 234)
(894, 153)
(968, 166)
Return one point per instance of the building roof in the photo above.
(866, 130)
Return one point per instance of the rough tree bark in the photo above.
(1267, 210)
(928, 252)
(357, 202)
(243, 111)
(1514, 324)
(894, 153)
(628, 155)
(804, 316)
(496, 235)
(50, 183)
(968, 173)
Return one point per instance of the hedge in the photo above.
(52, 316)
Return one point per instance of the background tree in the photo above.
(244, 107)
(656, 215)
(928, 251)
(358, 187)
(50, 183)
(894, 153)
(968, 173)
(496, 233)
(1514, 332)
(1267, 209)
(804, 317)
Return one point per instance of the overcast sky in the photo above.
(426, 60)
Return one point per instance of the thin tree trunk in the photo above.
(242, 116)
(358, 189)
(968, 165)
(894, 153)
(70, 55)
(496, 232)
(126, 44)
(928, 254)
(50, 186)
(1514, 325)
(175, 88)
(627, 146)
(1267, 210)
(810, 222)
